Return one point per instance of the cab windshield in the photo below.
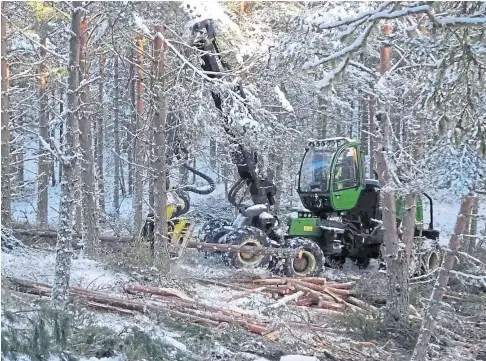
(315, 171)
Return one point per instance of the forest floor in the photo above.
(348, 336)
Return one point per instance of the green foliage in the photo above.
(138, 345)
(45, 331)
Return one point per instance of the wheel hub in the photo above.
(248, 258)
(305, 263)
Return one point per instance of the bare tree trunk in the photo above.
(150, 135)
(116, 125)
(429, 321)
(52, 134)
(43, 162)
(470, 243)
(5, 189)
(212, 154)
(20, 157)
(159, 165)
(88, 186)
(372, 130)
(60, 288)
(99, 140)
(137, 199)
(194, 174)
(131, 123)
(61, 136)
(395, 256)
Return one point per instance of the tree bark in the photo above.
(43, 161)
(159, 164)
(99, 139)
(137, 199)
(5, 189)
(395, 256)
(60, 288)
(61, 135)
(150, 135)
(116, 125)
(88, 186)
(429, 320)
(131, 123)
(470, 242)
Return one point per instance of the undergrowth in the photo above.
(377, 327)
(70, 333)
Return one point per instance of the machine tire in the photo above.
(312, 254)
(247, 236)
(431, 260)
(213, 230)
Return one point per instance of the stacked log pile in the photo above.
(317, 293)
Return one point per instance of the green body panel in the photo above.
(346, 199)
(304, 227)
(400, 209)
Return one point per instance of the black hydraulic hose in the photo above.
(234, 190)
(187, 203)
(192, 189)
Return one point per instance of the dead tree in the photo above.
(60, 289)
(137, 198)
(116, 125)
(159, 163)
(5, 189)
(429, 320)
(43, 163)
(87, 166)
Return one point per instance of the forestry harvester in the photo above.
(342, 216)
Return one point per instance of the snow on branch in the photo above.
(359, 18)
(326, 81)
(357, 43)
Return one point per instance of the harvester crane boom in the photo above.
(262, 191)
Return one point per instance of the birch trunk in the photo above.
(88, 186)
(5, 189)
(137, 198)
(116, 125)
(100, 140)
(43, 161)
(60, 288)
(429, 320)
(159, 164)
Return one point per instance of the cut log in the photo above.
(137, 288)
(246, 293)
(283, 301)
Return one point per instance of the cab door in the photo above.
(346, 178)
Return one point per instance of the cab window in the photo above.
(346, 170)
